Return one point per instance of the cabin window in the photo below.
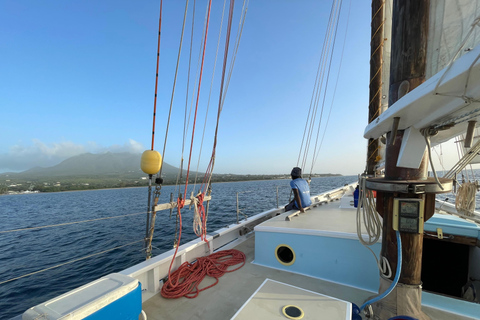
(285, 254)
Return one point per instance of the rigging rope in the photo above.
(150, 212)
(208, 173)
(326, 87)
(210, 92)
(465, 199)
(320, 81)
(156, 76)
(186, 100)
(185, 281)
(316, 152)
(236, 46)
(69, 262)
(366, 208)
(464, 160)
(429, 150)
(198, 95)
(180, 200)
(70, 223)
(174, 84)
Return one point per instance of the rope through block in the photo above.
(185, 281)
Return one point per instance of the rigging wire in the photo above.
(315, 151)
(327, 78)
(156, 76)
(70, 223)
(236, 46)
(186, 101)
(180, 200)
(427, 141)
(325, 54)
(210, 92)
(174, 84)
(312, 114)
(315, 93)
(150, 176)
(70, 262)
(208, 173)
(198, 95)
(186, 124)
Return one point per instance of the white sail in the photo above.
(450, 23)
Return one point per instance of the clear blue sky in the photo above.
(79, 76)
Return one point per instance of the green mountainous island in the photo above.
(100, 171)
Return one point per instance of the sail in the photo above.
(450, 23)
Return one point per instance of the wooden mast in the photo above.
(407, 71)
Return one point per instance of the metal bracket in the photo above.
(409, 186)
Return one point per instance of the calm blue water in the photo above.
(24, 252)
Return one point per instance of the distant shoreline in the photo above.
(59, 189)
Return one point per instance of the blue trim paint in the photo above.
(456, 306)
(127, 307)
(452, 225)
(338, 260)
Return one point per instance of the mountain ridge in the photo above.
(100, 171)
(93, 164)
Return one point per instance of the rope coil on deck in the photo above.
(185, 281)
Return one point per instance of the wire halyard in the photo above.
(150, 224)
(320, 88)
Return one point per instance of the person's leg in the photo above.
(290, 206)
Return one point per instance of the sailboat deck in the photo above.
(329, 219)
(235, 289)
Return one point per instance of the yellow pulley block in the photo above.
(151, 162)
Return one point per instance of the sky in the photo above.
(79, 76)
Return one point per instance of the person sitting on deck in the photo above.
(301, 192)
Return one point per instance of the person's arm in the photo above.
(297, 199)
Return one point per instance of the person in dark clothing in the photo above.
(301, 192)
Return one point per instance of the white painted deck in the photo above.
(327, 219)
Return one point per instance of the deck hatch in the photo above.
(292, 312)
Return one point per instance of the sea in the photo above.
(100, 247)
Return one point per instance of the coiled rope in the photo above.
(465, 199)
(372, 223)
(185, 281)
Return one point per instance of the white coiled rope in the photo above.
(371, 221)
(465, 199)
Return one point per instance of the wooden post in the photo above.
(407, 71)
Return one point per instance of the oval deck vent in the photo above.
(292, 312)
(285, 254)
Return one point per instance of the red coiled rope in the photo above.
(185, 281)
